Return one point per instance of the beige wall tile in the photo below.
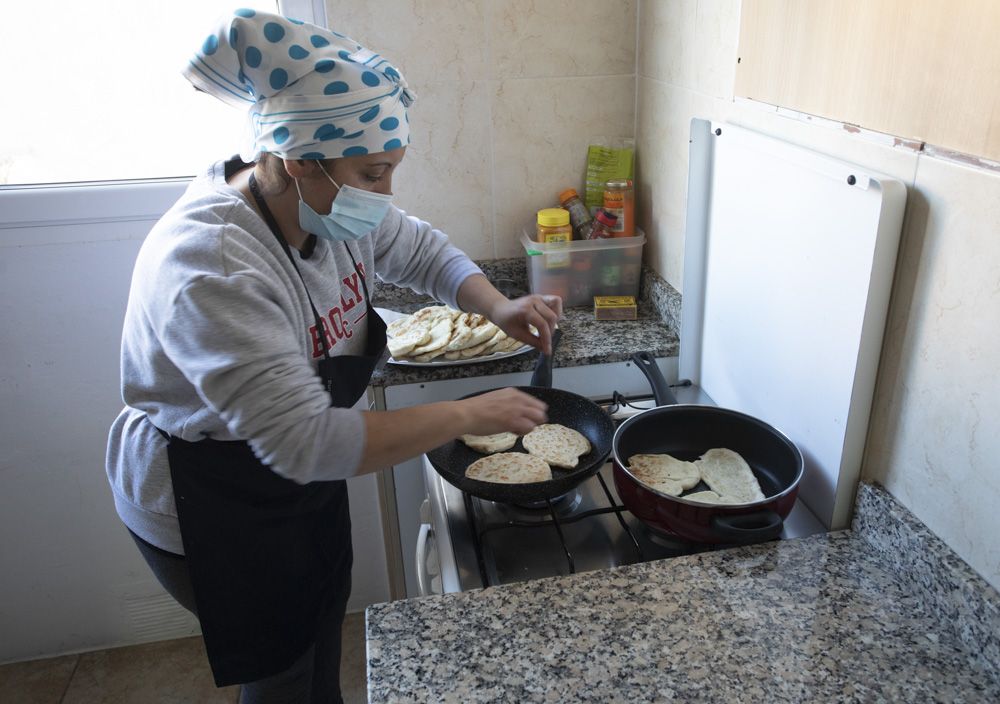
(562, 38)
(542, 128)
(933, 441)
(716, 36)
(445, 178)
(663, 128)
(667, 41)
(429, 40)
(472, 167)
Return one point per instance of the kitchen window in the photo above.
(94, 91)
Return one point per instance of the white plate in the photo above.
(389, 315)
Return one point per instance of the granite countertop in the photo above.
(584, 339)
(882, 612)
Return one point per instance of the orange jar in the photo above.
(619, 198)
(553, 225)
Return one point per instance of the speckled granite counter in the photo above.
(584, 340)
(884, 612)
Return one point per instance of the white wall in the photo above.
(933, 439)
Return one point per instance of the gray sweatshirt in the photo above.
(220, 342)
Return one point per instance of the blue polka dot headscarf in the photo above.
(311, 93)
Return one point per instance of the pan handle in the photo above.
(646, 363)
(543, 368)
(748, 527)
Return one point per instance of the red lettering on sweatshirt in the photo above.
(337, 321)
(317, 345)
(352, 283)
(338, 328)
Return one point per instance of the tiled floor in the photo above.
(168, 672)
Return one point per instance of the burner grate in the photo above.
(481, 527)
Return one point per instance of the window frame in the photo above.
(84, 211)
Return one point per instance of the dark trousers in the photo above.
(313, 679)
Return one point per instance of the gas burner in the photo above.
(535, 511)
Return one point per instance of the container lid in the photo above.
(619, 183)
(533, 248)
(553, 217)
(567, 194)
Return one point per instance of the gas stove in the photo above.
(469, 543)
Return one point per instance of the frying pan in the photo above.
(687, 431)
(566, 408)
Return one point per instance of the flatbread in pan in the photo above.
(665, 467)
(510, 468)
(729, 476)
(488, 444)
(556, 444)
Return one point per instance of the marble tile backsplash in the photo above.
(510, 94)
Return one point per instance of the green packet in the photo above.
(604, 163)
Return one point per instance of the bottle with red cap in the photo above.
(603, 226)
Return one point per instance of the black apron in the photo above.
(267, 556)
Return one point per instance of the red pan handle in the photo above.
(646, 363)
(748, 527)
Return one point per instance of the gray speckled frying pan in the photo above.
(566, 408)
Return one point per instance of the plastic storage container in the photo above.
(581, 269)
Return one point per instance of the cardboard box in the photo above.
(615, 308)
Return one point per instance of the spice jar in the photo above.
(619, 198)
(579, 216)
(553, 225)
(603, 226)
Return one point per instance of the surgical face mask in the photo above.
(354, 213)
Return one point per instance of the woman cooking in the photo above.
(250, 339)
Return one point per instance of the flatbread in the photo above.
(662, 467)
(708, 497)
(510, 468)
(423, 317)
(488, 444)
(556, 444)
(729, 476)
(439, 336)
(652, 477)
(405, 342)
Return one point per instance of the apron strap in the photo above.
(276, 231)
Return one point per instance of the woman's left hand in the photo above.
(514, 316)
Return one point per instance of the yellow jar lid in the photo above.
(553, 217)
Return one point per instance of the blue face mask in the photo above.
(354, 214)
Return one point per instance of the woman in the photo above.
(249, 341)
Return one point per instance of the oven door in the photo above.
(436, 567)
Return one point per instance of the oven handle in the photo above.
(423, 579)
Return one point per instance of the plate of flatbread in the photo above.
(438, 335)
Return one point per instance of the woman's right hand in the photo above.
(506, 410)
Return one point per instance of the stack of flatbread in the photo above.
(729, 478)
(443, 333)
